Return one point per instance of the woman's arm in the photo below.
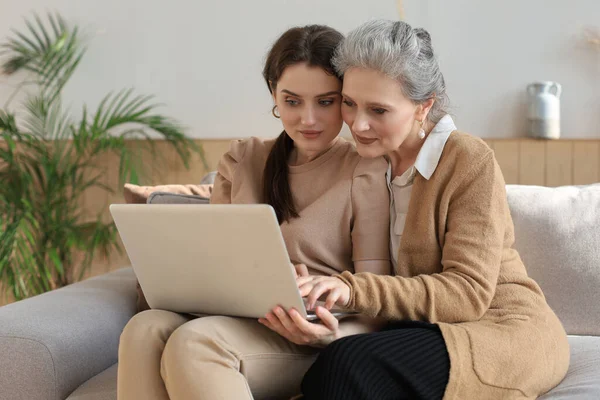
(378, 267)
(471, 259)
(221, 192)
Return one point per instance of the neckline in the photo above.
(317, 162)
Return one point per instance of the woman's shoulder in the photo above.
(362, 166)
(252, 147)
(253, 143)
(464, 150)
(371, 166)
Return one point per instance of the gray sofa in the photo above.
(63, 344)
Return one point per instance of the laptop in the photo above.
(210, 259)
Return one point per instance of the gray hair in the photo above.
(400, 52)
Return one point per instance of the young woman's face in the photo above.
(378, 114)
(308, 100)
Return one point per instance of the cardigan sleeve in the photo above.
(471, 259)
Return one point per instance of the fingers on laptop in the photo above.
(327, 318)
(335, 290)
(332, 298)
(301, 270)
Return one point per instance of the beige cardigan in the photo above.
(457, 268)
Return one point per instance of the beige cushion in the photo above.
(557, 232)
(135, 194)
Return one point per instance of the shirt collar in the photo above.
(431, 152)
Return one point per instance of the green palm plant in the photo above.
(48, 160)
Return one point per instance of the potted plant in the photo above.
(49, 159)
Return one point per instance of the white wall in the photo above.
(203, 59)
(490, 50)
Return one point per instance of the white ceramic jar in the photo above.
(544, 110)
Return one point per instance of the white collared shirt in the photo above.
(400, 187)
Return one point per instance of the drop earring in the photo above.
(421, 131)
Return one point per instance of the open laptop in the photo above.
(210, 259)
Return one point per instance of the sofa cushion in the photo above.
(101, 387)
(583, 378)
(557, 234)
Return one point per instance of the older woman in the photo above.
(469, 322)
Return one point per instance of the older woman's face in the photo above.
(380, 117)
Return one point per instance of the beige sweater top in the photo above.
(457, 268)
(342, 200)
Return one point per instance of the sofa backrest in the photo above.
(557, 234)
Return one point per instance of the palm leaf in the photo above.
(117, 112)
(51, 55)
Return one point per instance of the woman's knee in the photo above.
(151, 324)
(199, 339)
(337, 356)
(349, 344)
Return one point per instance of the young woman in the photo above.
(331, 205)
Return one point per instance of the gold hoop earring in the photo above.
(421, 131)
(273, 112)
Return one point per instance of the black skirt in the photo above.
(407, 360)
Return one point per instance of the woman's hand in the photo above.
(300, 270)
(313, 287)
(292, 326)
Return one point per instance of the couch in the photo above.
(63, 344)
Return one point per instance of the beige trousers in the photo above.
(167, 356)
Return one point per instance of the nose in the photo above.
(308, 116)
(360, 124)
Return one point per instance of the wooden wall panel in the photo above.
(94, 198)
(5, 298)
(507, 154)
(586, 162)
(214, 150)
(489, 142)
(532, 162)
(559, 163)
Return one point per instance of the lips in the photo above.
(311, 134)
(364, 140)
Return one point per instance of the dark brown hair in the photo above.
(314, 45)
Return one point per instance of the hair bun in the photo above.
(422, 34)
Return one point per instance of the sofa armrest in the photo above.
(52, 343)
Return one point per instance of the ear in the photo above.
(424, 108)
(273, 93)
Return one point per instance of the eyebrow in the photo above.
(371, 103)
(334, 92)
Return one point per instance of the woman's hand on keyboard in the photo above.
(300, 270)
(334, 290)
